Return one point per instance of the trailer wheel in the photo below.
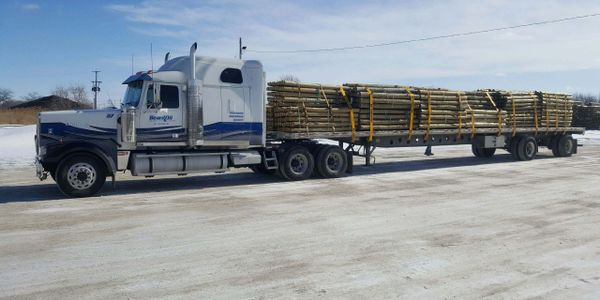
(483, 152)
(527, 148)
(331, 162)
(564, 146)
(514, 146)
(297, 163)
(80, 176)
(476, 151)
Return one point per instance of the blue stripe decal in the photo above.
(228, 127)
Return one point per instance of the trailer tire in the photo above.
(331, 162)
(514, 146)
(483, 152)
(527, 148)
(80, 175)
(297, 163)
(476, 151)
(564, 146)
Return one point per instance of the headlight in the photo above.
(42, 150)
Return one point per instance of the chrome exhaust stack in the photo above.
(194, 105)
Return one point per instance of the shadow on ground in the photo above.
(49, 191)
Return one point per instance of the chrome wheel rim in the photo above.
(334, 162)
(298, 164)
(81, 176)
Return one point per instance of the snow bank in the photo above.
(17, 146)
(591, 137)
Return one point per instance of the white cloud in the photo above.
(270, 24)
(30, 7)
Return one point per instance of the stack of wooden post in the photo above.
(557, 110)
(393, 107)
(586, 115)
(523, 109)
(482, 111)
(442, 109)
(269, 117)
(305, 108)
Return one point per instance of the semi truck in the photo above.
(201, 114)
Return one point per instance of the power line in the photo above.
(435, 37)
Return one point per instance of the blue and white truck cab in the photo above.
(193, 114)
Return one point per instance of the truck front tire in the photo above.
(80, 175)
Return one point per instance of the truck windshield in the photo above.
(133, 93)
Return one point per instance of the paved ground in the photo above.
(450, 226)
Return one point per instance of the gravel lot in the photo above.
(448, 226)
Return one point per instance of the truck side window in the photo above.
(169, 96)
(150, 96)
(231, 75)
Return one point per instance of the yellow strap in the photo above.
(352, 125)
(428, 115)
(459, 115)
(330, 117)
(565, 119)
(547, 119)
(556, 115)
(499, 113)
(370, 114)
(412, 113)
(514, 112)
(473, 130)
(535, 112)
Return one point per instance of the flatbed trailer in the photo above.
(365, 142)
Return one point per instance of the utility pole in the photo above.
(96, 88)
(242, 48)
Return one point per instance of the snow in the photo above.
(591, 137)
(17, 146)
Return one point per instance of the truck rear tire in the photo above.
(331, 162)
(296, 163)
(564, 146)
(80, 175)
(527, 148)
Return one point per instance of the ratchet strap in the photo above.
(331, 117)
(412, 112)
(305, 111)
(556, 114)
(352, 125)
(499, 113)
(459, 115)
(428, 115)
(514, 117)
(370, 114)
(565, 118)
(535, 112)
(473, 130)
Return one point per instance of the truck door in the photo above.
(162, 121)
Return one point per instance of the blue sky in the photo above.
(49, 43)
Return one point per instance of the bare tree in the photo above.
(78, 93)
(75, 92)
(586, 98)
(32, 96)
(289, 77)
(61, 91)
(5, 94)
